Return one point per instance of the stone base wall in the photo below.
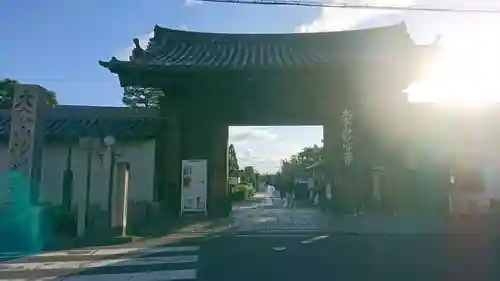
(140, 214)
(98, 219)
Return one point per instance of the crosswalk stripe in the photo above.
(109, 252)
(140, 264)
(183, 274)
(146, 251)
(8, 267)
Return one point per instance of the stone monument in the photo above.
(20, 215)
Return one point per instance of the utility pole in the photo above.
(109, 142)
(363, 6)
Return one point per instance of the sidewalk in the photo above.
(370, 224)
(278, 218)
(151, 230)
(260, 199)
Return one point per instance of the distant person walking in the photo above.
(282, 189)
(290, 195)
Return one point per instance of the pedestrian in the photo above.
(290, 195)
(322, 198)
(282, 191)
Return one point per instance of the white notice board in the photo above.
(194, 186)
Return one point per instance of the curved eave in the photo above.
(423, 52)
(184, 52)
(119, 67)
(177, 50)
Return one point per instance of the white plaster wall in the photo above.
(54, 163)
(140, 155)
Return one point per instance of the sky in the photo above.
(58, 43)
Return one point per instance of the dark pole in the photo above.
(68, 182)
(88, 183)
(110, 184)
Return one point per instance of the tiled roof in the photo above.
(180, 50)
(83, 121)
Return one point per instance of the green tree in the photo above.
(249, 171)
(233, 166)
(7, 94)
(295, 167)
(251, 175)
(141, 97)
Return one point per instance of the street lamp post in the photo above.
(88, 181)
(109, 142)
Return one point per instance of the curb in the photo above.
(353, 233)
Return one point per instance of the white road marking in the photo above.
(298, 235)
(9, 267)
(309, 241)
(290, 230)
(107, 252)
(185, 274)
(51, 278)
(146, 251)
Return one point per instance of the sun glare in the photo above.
(466, 74)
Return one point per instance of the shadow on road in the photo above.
(344, 257)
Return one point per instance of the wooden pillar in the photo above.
(331, 147)
(344, 160)
(469, 192)
(170, 164)
(219, 203)
(393, 140)
(204, 135)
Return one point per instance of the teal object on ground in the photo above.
(20, 223)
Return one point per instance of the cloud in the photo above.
(266, 158)
(251, 145)
(338, 19)
(469, 40)
(422, 26)
(250, 133)
(265, 147)
(249, 158)
(125, 53)
(190, 3)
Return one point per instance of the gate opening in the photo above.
(264, 159)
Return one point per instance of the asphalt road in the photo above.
(305, 252)
(266, 243)
(320, 256)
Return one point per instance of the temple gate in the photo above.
(347, 81)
